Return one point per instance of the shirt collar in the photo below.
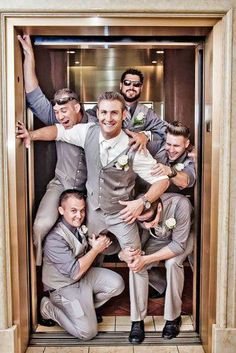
(111, 142)
(69, 226)
(132, 107)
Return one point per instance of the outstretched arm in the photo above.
(31, 81)
(48, 133)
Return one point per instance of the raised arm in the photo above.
(31, 81)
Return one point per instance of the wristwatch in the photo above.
(147, 204)
(173, 172)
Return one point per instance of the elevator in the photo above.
(177, 51)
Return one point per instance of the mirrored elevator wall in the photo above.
(168, 86)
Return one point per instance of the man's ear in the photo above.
(187, 143)
(61, 210)
(120, 85)
(124, 114)
(77, 107)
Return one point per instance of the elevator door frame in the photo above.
(11, 104)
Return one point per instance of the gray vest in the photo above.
(71, 166)
(107, 185)
(51, 277)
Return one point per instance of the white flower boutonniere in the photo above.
(84, 229)
(179, 167)
(170, 223)
(139, 119)
(122, 162)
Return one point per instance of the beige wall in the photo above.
(224, 331)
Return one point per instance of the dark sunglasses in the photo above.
(61, 101)
(134, 83)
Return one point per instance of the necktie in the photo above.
(127, 118)
(78, 236)
(104, 152)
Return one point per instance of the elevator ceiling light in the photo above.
(70, 52)
(154, 61)
(160, 51)
(77, 62)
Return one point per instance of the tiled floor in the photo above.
(131, 349)
(122, 323)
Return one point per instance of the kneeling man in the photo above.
(168, 222)
(75, 287)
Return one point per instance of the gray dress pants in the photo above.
(46, 216)
(172, 280)
(127, 236)
(73, 306)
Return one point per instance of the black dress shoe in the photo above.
(46, 322)
(171, 328)
(99, 317)
(154, 294)
(137, 333)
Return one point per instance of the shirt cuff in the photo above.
(60, 131)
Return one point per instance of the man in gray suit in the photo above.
(75, 288)
(142, 124)
(168, 223)
(173, 159)
(112, 168)
(70, 169)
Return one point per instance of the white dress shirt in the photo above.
(142, 164)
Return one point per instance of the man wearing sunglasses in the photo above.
(139, 117)
(70, 170)
(168, 223)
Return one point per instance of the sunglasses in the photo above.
(61, 101)
(134, 83)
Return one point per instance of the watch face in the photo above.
(147, 205)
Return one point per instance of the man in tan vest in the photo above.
(75, 288)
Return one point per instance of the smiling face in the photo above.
(175, 146)
(129, 89)
(68, 114)
(73, 211)
(110, 116)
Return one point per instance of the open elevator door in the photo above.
(56, 58)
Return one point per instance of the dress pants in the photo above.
(127, 236)
(46, 216)
(73, 306)
(172, 280)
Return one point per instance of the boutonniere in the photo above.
(179, 167)
(170, 223)
(139, 119)
(84, 229)
(122, 162)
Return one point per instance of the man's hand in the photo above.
(138, 263)
(161, 169)
(26, 45)
(132, 210)
(23, 133)
(100, 243)
(128, 254)
(138, 141)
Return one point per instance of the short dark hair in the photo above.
(112, 96)
(176, 128)
(66, 194)
(132, 71)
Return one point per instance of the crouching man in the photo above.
(75, 287)
(168, 222)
